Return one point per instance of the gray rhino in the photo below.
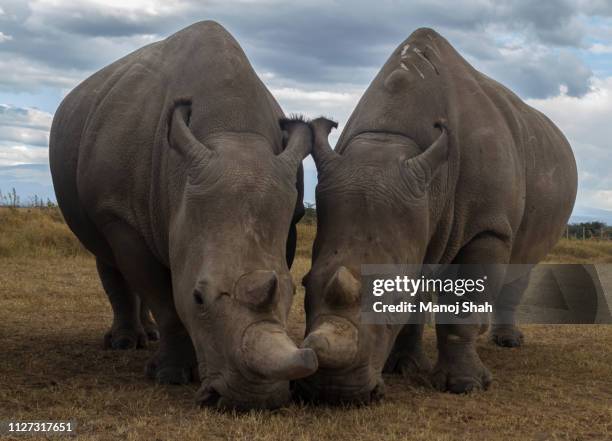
(438, 163)
(170, 167)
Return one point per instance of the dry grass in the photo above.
(36, 232)
(581, 251)
(54, 313)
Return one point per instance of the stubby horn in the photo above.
(343, 289)
(268, 351)
(180, 136)
(299, 140)
(334, 338)
(322, 152)
(425, 165)
(257, 289)
(335, 341)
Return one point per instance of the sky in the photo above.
(317, 58)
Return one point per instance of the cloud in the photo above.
(24, 153)
(601, 8)
(317, 57)
(20, 154)
(586, 123)
(599, 48)
(96, 18)
(28, 181)
(535, 72)
(314, 44)
(24, 125)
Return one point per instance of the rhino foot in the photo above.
(152, 333)
(463, 375)
(168, 371)
(123, 339)
(408, 364)
(507, 336)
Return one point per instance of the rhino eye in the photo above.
(197, 297)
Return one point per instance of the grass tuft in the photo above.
(38, 232)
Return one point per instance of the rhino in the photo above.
(176, 168)
(438, 164)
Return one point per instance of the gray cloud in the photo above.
(539, 73)
(21, 127)
(585, 122)
(314, 44)
(317, 57)
(28, 181)
(602, 8)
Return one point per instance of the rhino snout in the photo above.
(269, 352)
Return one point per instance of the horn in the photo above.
(334, 339)
(322, 152)
(180, 137)
(268, 351)
(343, 289)
(299, 140)
(257, 289)
(427, 163)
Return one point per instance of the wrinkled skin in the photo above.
(437, 164)
(170, 166)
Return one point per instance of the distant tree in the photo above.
(310, 213)
(13, 198)
(595, 229)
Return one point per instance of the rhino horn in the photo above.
(322, 152)
(268, 351)
(343, 289)
(334, 338)
(257, 289)
(180, 137)
(425, 166)
(335, 341)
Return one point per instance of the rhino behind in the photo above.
(169, 166)
(437, 164)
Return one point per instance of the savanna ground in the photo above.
(53, 314)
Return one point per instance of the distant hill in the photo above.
(590, 214)
(28, 180)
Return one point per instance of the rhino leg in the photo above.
(126, 331)
(504, 331)
(148, 324)
(407, 357)
(459, 368)
(175, 361)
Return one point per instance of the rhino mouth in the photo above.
(319, 389)
(208, 396)
(224, 397)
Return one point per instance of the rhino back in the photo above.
(512, 171)
(119, 156)
(65, 139)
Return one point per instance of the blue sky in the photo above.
(317, 57)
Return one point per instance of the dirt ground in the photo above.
(53, 314)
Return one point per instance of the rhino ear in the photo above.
(180, 137)
(425, 166)
(297, 139)
(322, 152)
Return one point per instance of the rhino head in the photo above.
(375, 205)
(231, 281)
